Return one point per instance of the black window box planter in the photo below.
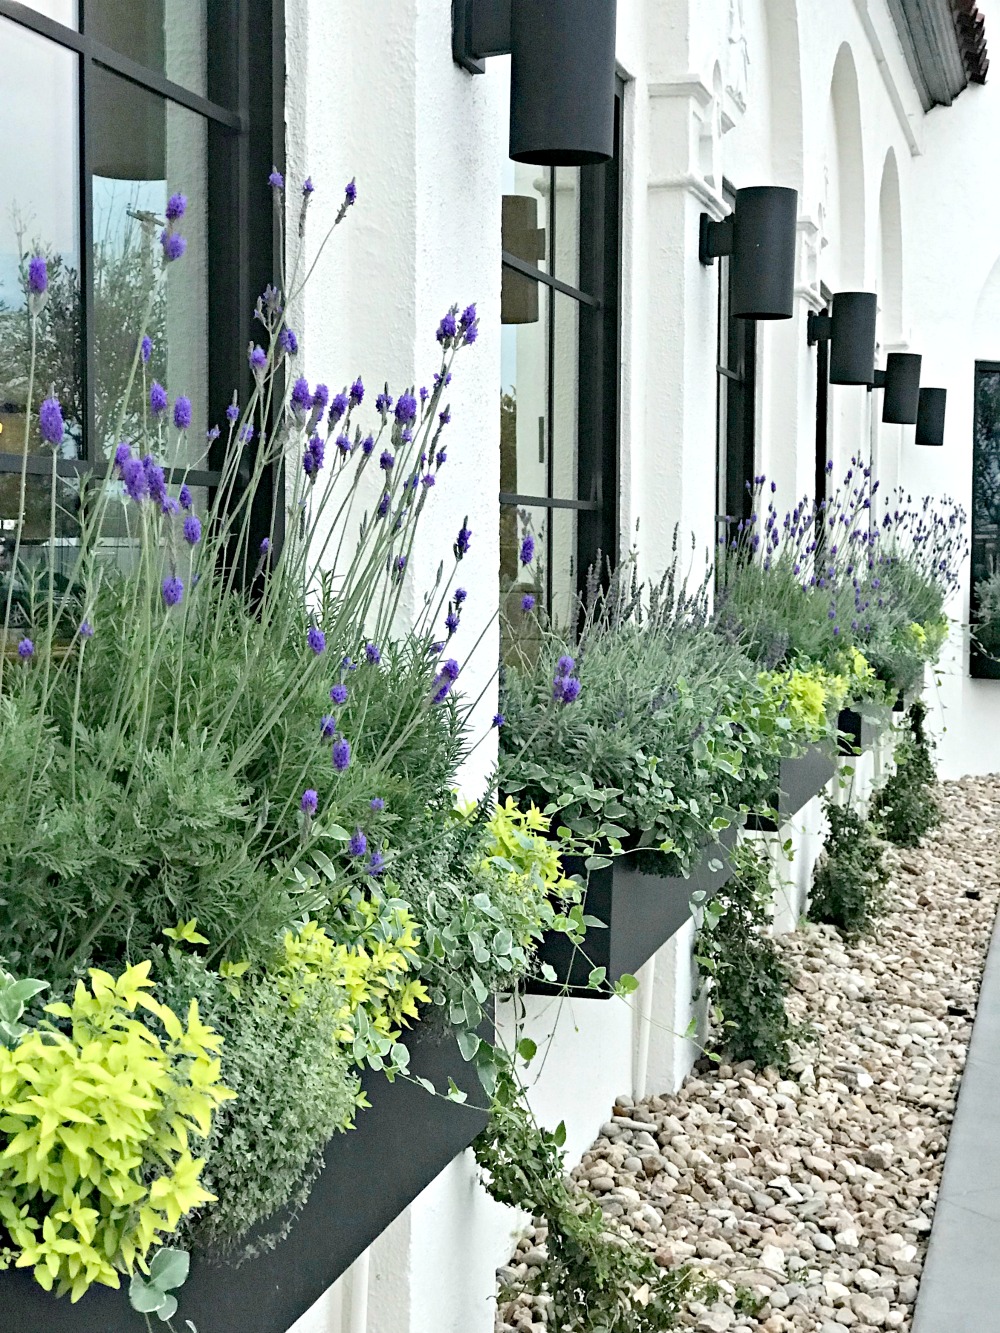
(371, 1174)
(862, 727)
(640, 912)
(799, 780)
(984, 666)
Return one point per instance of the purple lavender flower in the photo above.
(445, 416)
(448, 328)
(155, 480)
(276, 180)
(321, 397)
(265, 546)
(173, 244)
(344, 444)
(377, 804)
(383, 505)
(157, 398)
(86, 630)
(342, 755)
(192, 529)
(528, 601)
(346, 664)
(25, 650)
(184, 496)
(316, 640)
(339, 406)
(38, 275)
(373, 653)
(463, 541)
(406, 409)
(368, 445)
(565, 666)
(310, 802)
(383, 401)
(338, 693)
(307, 186)
(232, 413)
(312, 459)
(358, 844)
(176, 207)
(428, 480)
(50, 422)
(400, 563)
(423, 395)
(288, 342)
(527, 553)
(134, 478)
(451, 669)
(570, 690)
(451, 622)
(376, 864)
(173, 590)
(182, 413)
(301, 396)
(460, 596)
(328, 727)
(357, 392)
(350, 193)
(498, 720)
(441, 458)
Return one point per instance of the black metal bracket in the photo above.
(716, 239)
(879, 380)
(479, 29)
(819, 328)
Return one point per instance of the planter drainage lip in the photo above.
(371, 1174)
(640, 912)
(801, 777)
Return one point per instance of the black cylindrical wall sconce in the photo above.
(760, 236)
(850, 330)
(902, 388)
(930, 416)
(852, 341)
(562, 81)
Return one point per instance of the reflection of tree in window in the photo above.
(986, 487)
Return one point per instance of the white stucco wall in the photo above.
(813, 94)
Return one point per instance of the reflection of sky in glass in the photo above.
(38, 150)
(113, 199)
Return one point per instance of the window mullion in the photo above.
(88, 370)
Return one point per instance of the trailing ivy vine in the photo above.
(598, 1283)
(747, 978)
(851, 877)
(906, 806)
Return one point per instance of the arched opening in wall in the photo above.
(785, 93)
(889, 277)
(887, 441)
(845, 178)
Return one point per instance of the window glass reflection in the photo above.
(66, 12)
(168, 36)
(38, 216)
(566, 259)
(134, 175)
(545, 590)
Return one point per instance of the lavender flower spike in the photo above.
(38, 275)
(50, 422)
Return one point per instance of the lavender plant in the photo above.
(223, 757)
(856, 572)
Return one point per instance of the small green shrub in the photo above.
(746, 974)
(850, 880)
(906, 805)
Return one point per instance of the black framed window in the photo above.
(559, 405)
(107, 108)
(821, 476)
(985, 500)
(737, 402)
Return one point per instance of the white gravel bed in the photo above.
(816, 1192)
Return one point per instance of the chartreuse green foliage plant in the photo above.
(98, 1127)
(906, 806)
(851, 878)
(747, 979)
